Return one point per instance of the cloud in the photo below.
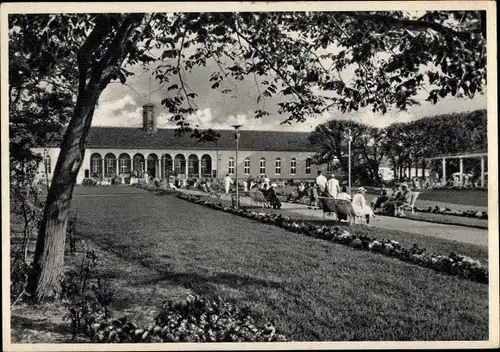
(121, 105)
(122, 111)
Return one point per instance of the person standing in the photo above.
(266, 182)
(333, 186)
(228, 181)
(321, 182)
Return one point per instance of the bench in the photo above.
(342, 208)
(258, 197)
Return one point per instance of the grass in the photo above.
(406, 238)
(154, 248)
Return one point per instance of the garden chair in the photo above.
(342, 209)
(411, 206)
(258, 197)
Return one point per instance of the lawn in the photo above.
(159, 247)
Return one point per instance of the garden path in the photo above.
(450, 232)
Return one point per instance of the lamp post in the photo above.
(237, 136)
(349, 140)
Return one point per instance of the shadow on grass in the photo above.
(42, 325)
(207, 284)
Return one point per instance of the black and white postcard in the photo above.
(249, 175)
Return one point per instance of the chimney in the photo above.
(149, 118)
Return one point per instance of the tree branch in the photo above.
(416, 24)
(91, 43)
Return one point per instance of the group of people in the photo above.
(262, 184)
(331, 188)
(401, 196)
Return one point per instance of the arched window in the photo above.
(246, 167)
(262, 166)
(180, 164)
(206, 165)
(124, 163)
(308, 166)
(193, 165)
(278, 166)
(109, 165)
(96, 165)
(230, 169)
(152, 165)
(138, 166)
(167, 164)
(293, 166)
(48, 164)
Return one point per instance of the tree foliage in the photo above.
(390, 58)
(367, 151)
(405, 145)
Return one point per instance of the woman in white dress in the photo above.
(360, 207)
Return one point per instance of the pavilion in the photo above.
(461, 156)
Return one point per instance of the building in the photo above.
(124, 152)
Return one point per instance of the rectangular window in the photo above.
(308, 166)
(262, 166)
(278, 166)
(123, 166)
(230, 169)
(247, 166)
(293, 166)
(329, 166)
(191, 167)
(178, 165)
(109, 167)
(48, 165)
(96, 165)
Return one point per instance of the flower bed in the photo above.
(448, 211)
(196, 319)
(453, 264)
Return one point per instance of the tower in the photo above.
(149, 118)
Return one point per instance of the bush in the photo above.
(89, 182)
(195, 319)
(86, 296)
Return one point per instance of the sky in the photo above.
(121, 105)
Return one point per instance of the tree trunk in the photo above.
(44, 279)
(45, 276)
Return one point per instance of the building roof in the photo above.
(137, 138)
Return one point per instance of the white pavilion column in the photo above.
(444, 170)
(482, 171)
(199, 168)
(461, 172)
(161, 168)
(103, 169)
(117, 170)
(187, 169)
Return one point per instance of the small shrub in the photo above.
(86, 296)
(19, 271)
(89, 182)
(195, 319)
